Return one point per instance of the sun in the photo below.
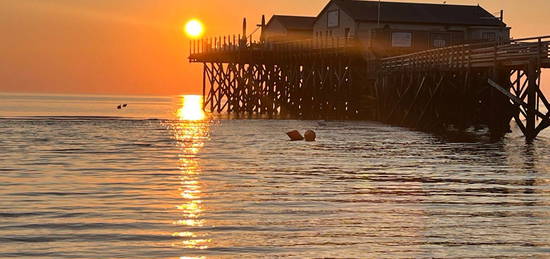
(194, 28)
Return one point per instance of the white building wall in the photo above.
(364, 31)
(274, 30)
(345, 22)
(477, 33)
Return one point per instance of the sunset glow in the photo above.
(198, 129)
(191, 109)
(194, 29)
(122, 32)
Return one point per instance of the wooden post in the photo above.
(244, 31)
(240, 41)
(204, 67)
(532, 89)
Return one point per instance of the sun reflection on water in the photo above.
(191, 109)
(191, 131)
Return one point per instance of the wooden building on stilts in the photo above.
(424, 66)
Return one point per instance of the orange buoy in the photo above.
(310, 135)
(295, 135)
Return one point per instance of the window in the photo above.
(346, 33)
(333, 18)
(439, 43)
(489, 36)
(401, 39)
(440, 39)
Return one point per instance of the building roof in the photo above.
(397, 12)
(295, 22)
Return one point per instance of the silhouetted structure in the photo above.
(350, 77)
(392, 28)
(285, 27)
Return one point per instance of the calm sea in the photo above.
(80, 178)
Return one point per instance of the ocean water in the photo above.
(80, 178)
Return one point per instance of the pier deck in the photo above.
(461, 86)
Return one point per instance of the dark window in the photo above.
(333, 18)
(440, 40)
(439, 43)
(489, 36)
(401, 39)
(346, 33)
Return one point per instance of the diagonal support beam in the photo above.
(501, 89)
(518, 102)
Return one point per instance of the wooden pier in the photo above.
(304, 79)
(470, 85)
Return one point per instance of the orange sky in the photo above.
(137, 46)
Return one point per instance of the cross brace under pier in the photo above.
(461, 86)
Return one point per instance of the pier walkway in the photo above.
(465, 85)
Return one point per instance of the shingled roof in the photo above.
(397, 12)
(295, 22)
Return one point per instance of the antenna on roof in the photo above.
(494, 16)
(379, 7)
(262, 27)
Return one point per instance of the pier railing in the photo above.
(335, 78)
(234, 45)
(509, 53)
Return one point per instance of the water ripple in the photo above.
(107, 187)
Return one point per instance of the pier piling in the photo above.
(462, 86)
